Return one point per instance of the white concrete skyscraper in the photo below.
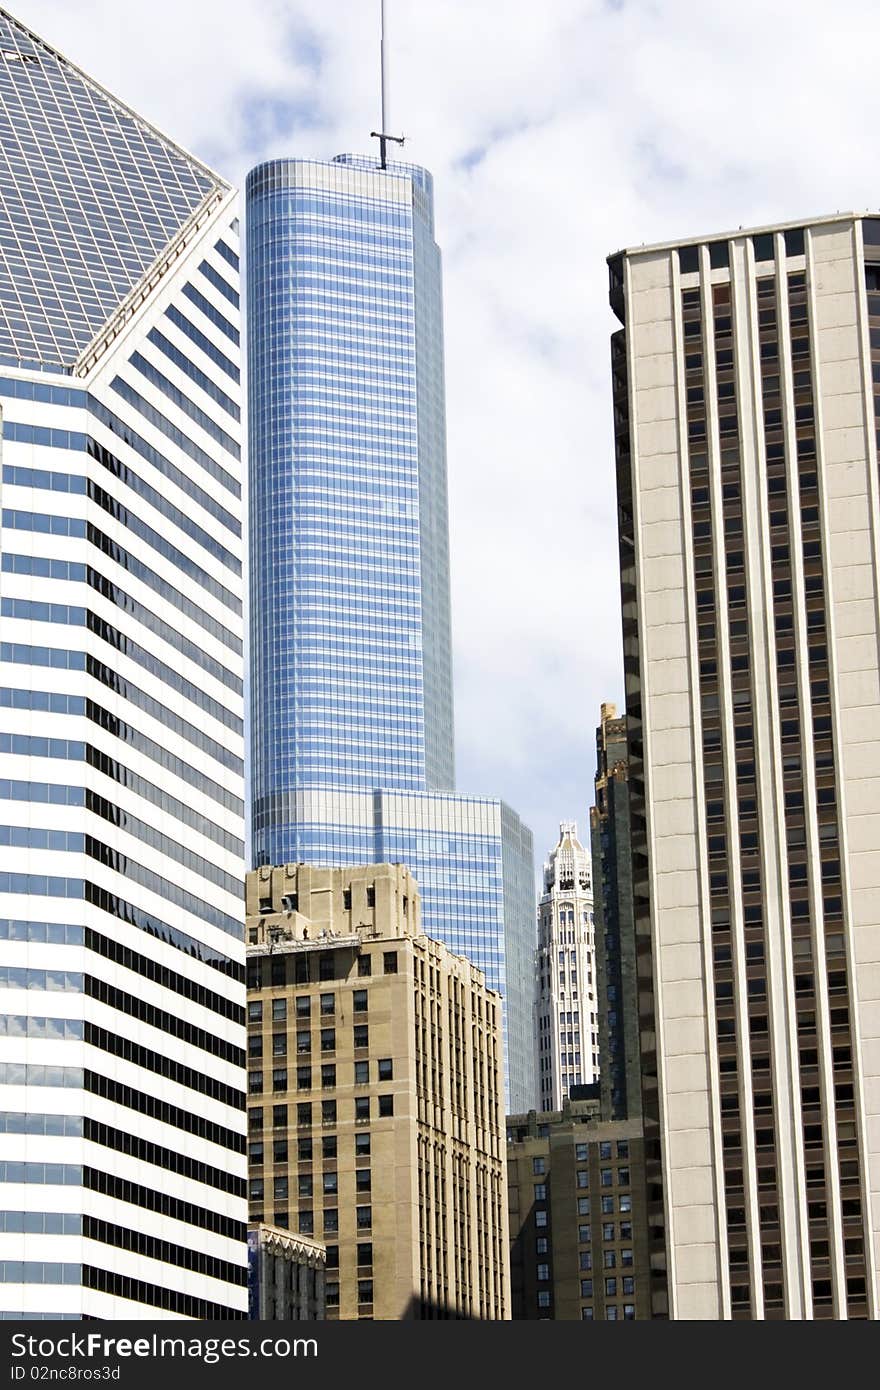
(746, 411)
(566, 1015)
(122, 1171)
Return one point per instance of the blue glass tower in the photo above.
(351, 669)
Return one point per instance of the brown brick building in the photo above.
(577, 1221)
(375, 1095)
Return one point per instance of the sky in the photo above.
(557, 132)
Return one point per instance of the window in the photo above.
(626, 1203)
(540, 1218)
(583, 1234)
(582, 1152)
(279, 1044)
(328, 1039)
(328, 1112)
(628, 1283)
(541, 1245)
(364, 1217)
(279, 1010)
(332, 1256)
(279, 1116)
(606, 1177)
(365, 1252)
(610, 1288)
(361, 1035)
(389, 963)
(623, 1148)
(303, 1078)
(303, 1115)
(583, 1177)
(279, 1079)
(328, 1146)
(331, 1294)
(328, 1004)
(542, 1273)
(331, 1220)
(326, 963)
(543, 1298)
(608, 1230)
(361, 1073)
(255, 1010)
(359, 1001)
(609, 1259)
(303, 1006)
(623, 1177)
(303, 1150)
(305, 1184)
(583, 1206)
(386, 1069)
(303, 1041)
(585, 1259)
(362, 1107)
(331, 1183)
(605, 1150)
(365, 1290)
(306, 1221)
(364, 967)
(611, 1313)
(328, 1075)
(255, 1153)
(279, 1150)
(255, 1118)
(629, 1312)
(586, 1288)
(255, 1082)
(361, 1145)
(386, 1105)
(280, 1189)
(538, 1165)
(256, 1189)
(607, 1206)
(587, 1314)
(626, 1258)
(362, 1180)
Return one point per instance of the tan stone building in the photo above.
(376, 1095)
(746, 387)
(578, 1230)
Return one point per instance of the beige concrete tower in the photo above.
(747, 478)
(376, 1086)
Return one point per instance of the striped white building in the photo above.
(746, 413)
(122, 1169)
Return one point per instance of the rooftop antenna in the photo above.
(381, 135)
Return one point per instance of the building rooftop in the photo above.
(91, 196)
(762, 230)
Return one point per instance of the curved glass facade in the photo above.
(350, 577)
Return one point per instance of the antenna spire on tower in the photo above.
(381, 134)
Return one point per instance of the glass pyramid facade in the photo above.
(90, 196)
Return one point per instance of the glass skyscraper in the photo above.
(122, 1171)
(352, 723)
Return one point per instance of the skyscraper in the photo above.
(566, 1022)
(617, 996)
(121, 851)
(352, 724)
(746, 420)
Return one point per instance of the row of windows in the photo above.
(145, 1104)
(170, 1159)
(181, 1256)
(201, 341)
(38, 1272)
(183, 403)
(195, 374)
(177, 437)
(329, 1113)
(19, 977)
(161, 1065)
(40, 1223)
(38, 1026)
(163, 1020)
(125, 911)
(164, 844)
(169, 1300)
(33, 1122)
(304, 1147)
(150, 1199)
(152, 969)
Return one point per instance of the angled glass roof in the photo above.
(90, 195)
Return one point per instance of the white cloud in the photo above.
(556, 133)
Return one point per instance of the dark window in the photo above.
(389, 963)
(688, 259)
(386, 1105)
